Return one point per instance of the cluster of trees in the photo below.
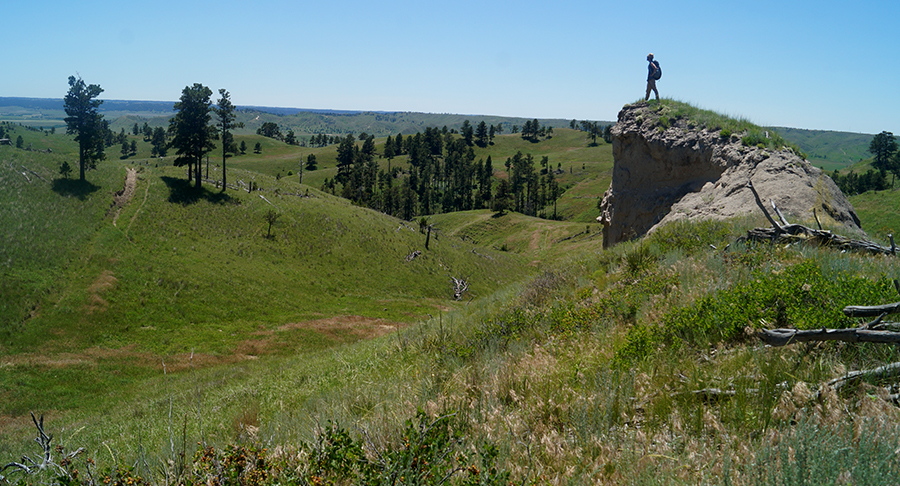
(853, 183)
(443, 176)
(594, 129)
(533, 131)
(886, 158)
(322, 140)
(271, 130)
(8, 131)
(191, 131)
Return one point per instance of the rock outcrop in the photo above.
(672, 171)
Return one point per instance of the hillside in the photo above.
(829, 150)
(175, 273)
(178, 341)
(123, 114)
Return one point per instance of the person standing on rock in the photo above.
(653, 73)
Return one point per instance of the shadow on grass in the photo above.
(183, 192)
(74, 187)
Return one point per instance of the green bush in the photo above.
(798, 296)
(753, 138)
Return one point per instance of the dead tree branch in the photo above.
(759, 203)
(460, 286)
(783, 337)
(795, 233)
(887, 371)
(31, 466)
(871, 310)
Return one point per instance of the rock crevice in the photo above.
(664, 173)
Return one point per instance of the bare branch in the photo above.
(783, 337)
(759, 203)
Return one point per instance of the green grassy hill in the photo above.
(176, 272)
(179, 341)
(829, 150)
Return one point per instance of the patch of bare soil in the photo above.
(121, 198)
(96, 302)
(341, 328)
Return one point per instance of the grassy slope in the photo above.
(533, 368)
(827, 149)
(181, 272)
(879, 212)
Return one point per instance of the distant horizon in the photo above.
(3, 102)
(344, 111)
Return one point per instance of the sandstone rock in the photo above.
(667, 173)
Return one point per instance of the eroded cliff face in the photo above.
(664, 174)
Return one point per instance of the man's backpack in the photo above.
(658, 73)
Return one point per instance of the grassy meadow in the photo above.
(180, 340)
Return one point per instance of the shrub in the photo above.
(799, 296)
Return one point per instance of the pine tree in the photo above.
(84, 121)
(225, 120)
(192, 134)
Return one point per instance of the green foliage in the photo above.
(191, 130)
(428, 452)
(65, 169)
(753, 138)
(883, 147)
(639, 260)
(798, 296)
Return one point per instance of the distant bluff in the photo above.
(676, 162)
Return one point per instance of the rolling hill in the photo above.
(287, 336)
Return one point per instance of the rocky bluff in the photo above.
(669, 169)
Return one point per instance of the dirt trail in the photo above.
(122, 197)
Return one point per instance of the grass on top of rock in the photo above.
(668, 111)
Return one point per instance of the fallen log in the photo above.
(887, 371)
(796, 233)
(783, 337)
(871, 310)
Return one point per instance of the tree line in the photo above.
(443, 175)
(886, 159)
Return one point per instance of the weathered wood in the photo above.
(887, 371)
(460, 286)
(871, 310)
(763, 207)
(796, 233)
(784, 220)
(783, 337)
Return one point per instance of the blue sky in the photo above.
(820, 65)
